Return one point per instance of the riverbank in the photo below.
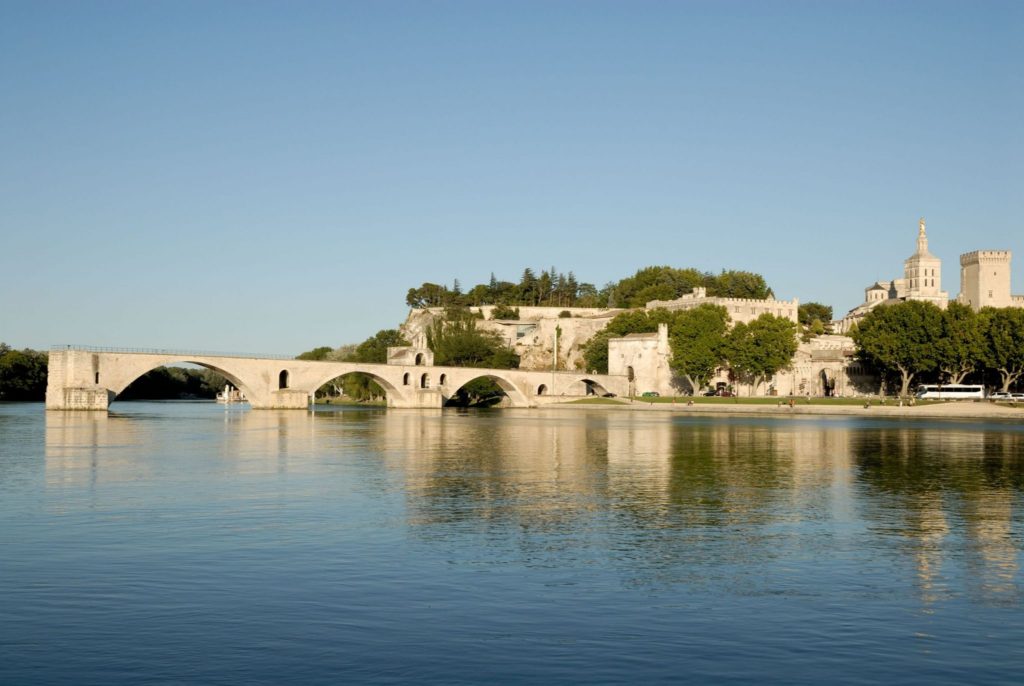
(939, 410)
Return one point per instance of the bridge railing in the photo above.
(168, 351)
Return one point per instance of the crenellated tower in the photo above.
(985, 279)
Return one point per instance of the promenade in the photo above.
(950, 410)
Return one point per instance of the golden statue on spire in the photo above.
(920, 226)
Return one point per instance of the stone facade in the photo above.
(740, 309)
(985, 280)
(823, 366)
(922, 273)
(643, 358)
(410, 355)
(532, 335)
(922, 280)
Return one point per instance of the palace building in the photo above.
(984, 282)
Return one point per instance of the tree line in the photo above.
(22, 374)
(555, 289)
(701, 342)
(920, 341)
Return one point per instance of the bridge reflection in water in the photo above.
(696, 494)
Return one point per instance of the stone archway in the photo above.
(116, 381)
(828, 385)
(516, 397)
(393, 395)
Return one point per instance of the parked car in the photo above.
(650, 394)
(608, 395)
(1000, 395)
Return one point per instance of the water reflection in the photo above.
(760, 506)
(949, 494)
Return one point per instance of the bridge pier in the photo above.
(90, 398)
(284, 399)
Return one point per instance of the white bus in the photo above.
(951, 392)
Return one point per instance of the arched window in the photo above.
(419, 359)
(443, 380)
(542, 389)
(405, 379)
(425, 381)
(282, 379)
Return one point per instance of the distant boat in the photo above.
(230, 395)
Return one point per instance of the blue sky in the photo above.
(273, 176)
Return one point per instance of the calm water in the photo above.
(186, 543)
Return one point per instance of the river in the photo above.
(193, 543)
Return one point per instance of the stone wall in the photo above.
(739, 309)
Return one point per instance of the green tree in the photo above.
(322, 353)
(505, 312)
(655, 283)
(456, 341)
(528, 288)
(807, 313)
(960, 349)
(428, 295)
(697, 339)
(374, 350)
(737, 284)
(761, 348)
(901, 339)
(22, 374)
(1003, 342)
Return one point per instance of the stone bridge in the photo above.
(90, 378)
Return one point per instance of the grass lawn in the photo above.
(596, 401)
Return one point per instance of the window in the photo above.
(282, 379)
(405, 379)
(425, 381)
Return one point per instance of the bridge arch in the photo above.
(516, 397)
(116, 381)
(592, 387)
(390, 390)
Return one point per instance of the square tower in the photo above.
(985, 279)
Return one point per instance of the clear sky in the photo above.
(274, 176)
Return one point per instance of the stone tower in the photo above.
(923, 273)
(985, 279)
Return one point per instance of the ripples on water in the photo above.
(185, 543)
